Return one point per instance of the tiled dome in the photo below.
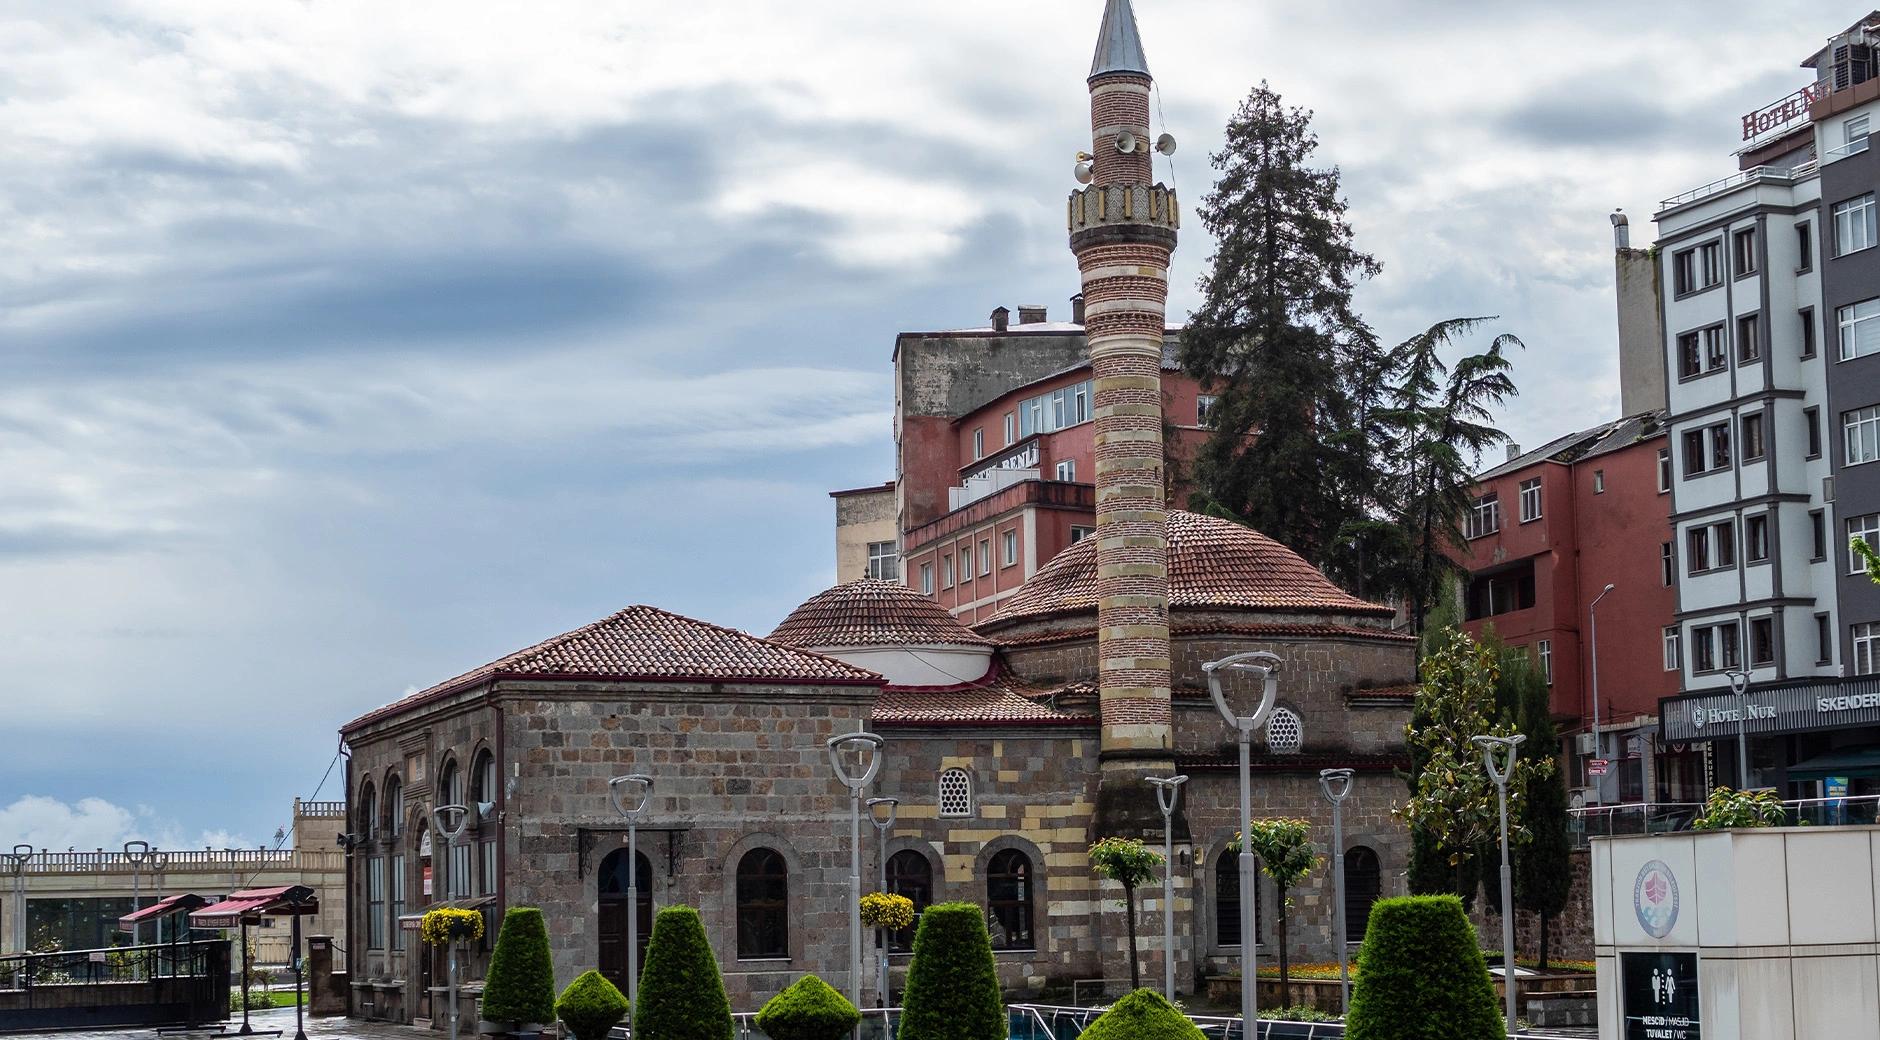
(1212, 563)
(873, 613)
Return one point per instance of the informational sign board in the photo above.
(1836, 786)
(1598, 766)
(1660, 991)
(427, 879)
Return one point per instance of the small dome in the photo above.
(1212, 563)
(873, 613)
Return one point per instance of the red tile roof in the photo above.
(1274, 631)
(1003, 701)
(1211, 563)
(870, 612)
(648, 644)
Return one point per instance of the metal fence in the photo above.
(1606, 821)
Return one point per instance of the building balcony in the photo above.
(1755, 175)
(1029, 492)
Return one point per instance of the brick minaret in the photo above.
(1122, 228)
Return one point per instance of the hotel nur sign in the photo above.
(1720, 716)
(1783, 113)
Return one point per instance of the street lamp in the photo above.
(884, 822)
(1336, 783)
(1499, 772)
(1739, 684)
(451, 832)
(630, 794)
(1265, 666)
(18, 858)
(135, 852)
(1168, 791)
(867, 746)
(1598, 745)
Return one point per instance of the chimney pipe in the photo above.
(1030, 314)
(1077, 309)
(1514, 451)
(1001, 319)
(1621, 230)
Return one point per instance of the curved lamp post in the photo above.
(1265, 666)
(451, 832)
(1336, 783)
(17, 860)
(1168, 792)
(882, 811)
(1498, 756)
(630, 794)
(135, 853)
(868, 747)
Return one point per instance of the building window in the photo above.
(1762, 641)
(1008, 900)
(1867, 529)
(1008, 548)
(956, 793)
(1811, 419)
(1748, 342)
(1710, 547)
(1544, 653)
(1204, 409)
(1818, 532)
(884, 560)
(1716, 356)
(1698, 268)
(1599, 482)
(1710, 262)
(1702, 351)
(985, 557)
(1684, 271)
(367, 815)
(1854, 134)
(1080, 532)
(1284, 733)
(1054, 411)
(1807, 315)
(1227, 899)
(1756, 538)
(1484, 517)
(763, 906)
(946, 571)
(1805, 247)
(910, 874)
(1859, 328)
(1664, 470)
(1530, 500)
(1067, 469)
(1715, 647)
(979, 442)
(375, 903)
(1743, 243)
(1011, 429)
(1671, 648)
(483, 783)
(1364, 885)
(1667, 564)
(926, 579)
(1866, 648)
(1752, 441)
(396, 881)
(1707, 449)
(1862, 430)
(1824, 640)
(394, 806)
(1854, 228)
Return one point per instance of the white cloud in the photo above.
(94, 823)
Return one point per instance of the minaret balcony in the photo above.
(1123, 212)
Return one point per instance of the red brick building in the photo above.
(1550, 529)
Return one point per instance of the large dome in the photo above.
(870, 612)
(1212, 563)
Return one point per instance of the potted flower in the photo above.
(448, 925)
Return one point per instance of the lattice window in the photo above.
(1284, 734)
(956, 793)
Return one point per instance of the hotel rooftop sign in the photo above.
(1793, 708)
(1785, 114)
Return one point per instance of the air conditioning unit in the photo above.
(1585, 744)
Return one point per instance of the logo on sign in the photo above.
(1697, 716)
(1655, 899)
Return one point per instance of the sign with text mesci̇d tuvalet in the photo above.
(1659, 989)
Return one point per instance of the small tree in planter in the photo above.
(591, 1006)
(1284, 848)
(1142, 1015)
(952, 983)
(520, 987)
(1726, 809)
(1423, 977)
(682, 993)
(1129, 862)
(809, 1010)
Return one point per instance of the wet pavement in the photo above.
(264, 1023)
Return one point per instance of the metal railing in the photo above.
(1854, 147)
(1606, 821)
(117, 964)
(1753, 175)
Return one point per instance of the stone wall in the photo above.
(1569, 933)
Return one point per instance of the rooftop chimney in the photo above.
(1638, 285)
(1001, 319)
(1030, 314)
(1621, 230)
(1514, 451)
(1077, 309)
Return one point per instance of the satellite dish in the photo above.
(1126, 142)
(1165, 144)
(1083, 173)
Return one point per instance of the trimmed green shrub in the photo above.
(682, 993)
(591, 1005)
(1143, 1015)
(809, 1010)
(520, 986)
(952, 984)
(1423, 977)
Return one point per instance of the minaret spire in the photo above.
(1119, 47)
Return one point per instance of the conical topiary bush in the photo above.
(682, 993)
(1142, 1015)
(952, 984)
(1423, 976)
(520, 986)
(809, 1010)
(591, 1006)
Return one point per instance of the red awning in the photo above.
(291, 900)
(176, 904)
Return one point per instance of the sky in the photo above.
(345, 346)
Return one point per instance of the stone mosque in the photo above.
(1011, 745)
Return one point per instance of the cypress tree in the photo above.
(682, 992)
(952, 982)
(1543, 876)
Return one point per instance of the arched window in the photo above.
(394, 806)
(614, 907)
(1284, 733)
(910, 874)
(367, 819)
(1227, 899)
(450, 784)
(1009, 899)
(763, 905)
(483, 786)
(1364, 883)
(956, 793)
(456, 858)
(483, 814)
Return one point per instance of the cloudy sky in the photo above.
(346, 345)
